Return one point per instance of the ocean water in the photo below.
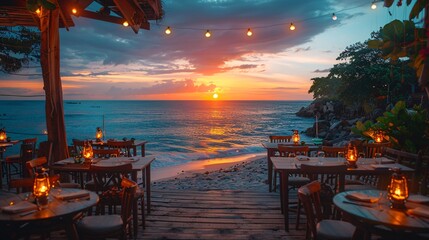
(177, 131)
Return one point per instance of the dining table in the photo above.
(272, 149)
(372, 208)
(20, 212)
(139, 164)
(365, 166)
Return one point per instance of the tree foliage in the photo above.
(364, 79)
(18, 47)
(406, 129)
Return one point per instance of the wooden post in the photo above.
(50, 61)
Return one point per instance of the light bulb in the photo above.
(249, 32)
(208, 34)
(125, 23)
(292, 27)
(74, 10)
(334, 17)
(168, 30)
(373, 5)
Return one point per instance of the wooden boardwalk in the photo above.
(216, 214)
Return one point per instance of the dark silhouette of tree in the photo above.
(18, 47)
(364, 80)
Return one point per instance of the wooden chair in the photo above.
(372, 148)
(78, 146)
(331, 151)
(125, 147)
(106, 184)
(106, 153)
(45, 150)
(333, 179)
(26, 184)
(295, 180)
(280, 139)
(317, 226)
(17, 162)
(103, 226)
(285, 150)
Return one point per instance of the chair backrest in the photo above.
(108, 177)
(333, 175)
(125, 147)
(309, 195)
(285, 150)
(280, 139)
(78, 146)
(129, 189)
(372, 148)
(35, 164)
(28, 149)
(331, 151)
(45, 150)
(106, 153)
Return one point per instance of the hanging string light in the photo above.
(74, 10)
(168, 30)
(125, 24)
(38, 11)
(208, 34)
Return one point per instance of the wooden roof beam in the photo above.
(131, 10)
(155, 6)
(111, 19)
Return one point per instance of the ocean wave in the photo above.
(163, 159)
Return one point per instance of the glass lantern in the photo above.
(295, 137)
(378, 136)
(3, 136)
(98, 134)
(41, 188)
(87, 152)
(398, 189)
(351, 156)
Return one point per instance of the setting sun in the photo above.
(215, 96)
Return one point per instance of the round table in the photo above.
(57, 211)
(380, 213)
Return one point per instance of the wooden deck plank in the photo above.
(217, 214)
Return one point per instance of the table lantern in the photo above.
(295, 137)
(351, 156)
(398, 189)
(87, 152)
(41, 187)
(3, 135)
(378, 136)
(98, 134)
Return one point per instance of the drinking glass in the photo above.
(377, 157)
(292, 154)
(381, 200)
(340, 156)
(320, 156)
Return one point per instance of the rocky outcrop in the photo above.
(334, 122)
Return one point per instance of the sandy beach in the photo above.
(249, 174)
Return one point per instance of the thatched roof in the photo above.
(136, 12)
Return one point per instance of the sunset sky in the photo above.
(106, 61)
